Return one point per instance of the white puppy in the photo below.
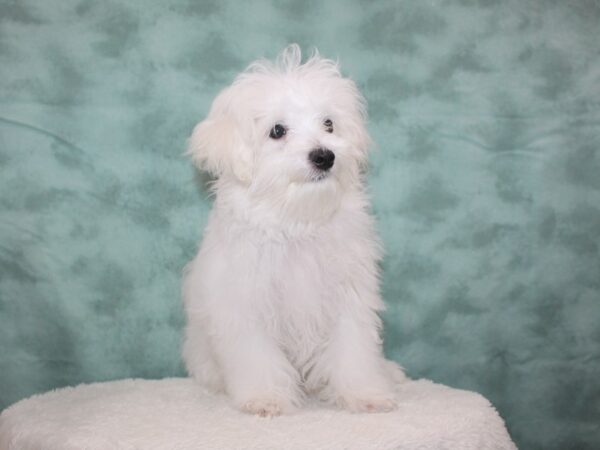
(283, 298)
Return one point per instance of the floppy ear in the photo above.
(355, 116)
(357, 131)
(216, 144)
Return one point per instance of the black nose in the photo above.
(322, 158)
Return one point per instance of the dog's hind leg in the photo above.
(199, 360)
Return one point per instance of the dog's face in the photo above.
(285, 128)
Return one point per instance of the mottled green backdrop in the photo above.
(486, 186)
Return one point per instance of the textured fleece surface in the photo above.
(176, 414)
(485, 186)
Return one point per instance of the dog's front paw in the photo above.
(263, 407)
(372, 403)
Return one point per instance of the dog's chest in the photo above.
(302, 276)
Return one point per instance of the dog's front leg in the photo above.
(358, 379)
(258, 376)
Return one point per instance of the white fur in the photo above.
(283, 297)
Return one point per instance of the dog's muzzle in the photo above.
(321, 158)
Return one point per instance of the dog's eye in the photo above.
(277, 132)
(328, 125)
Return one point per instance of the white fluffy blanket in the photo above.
(176, 414)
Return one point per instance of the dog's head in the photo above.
(285, 126)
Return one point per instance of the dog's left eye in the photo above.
(277, 132)
(328, 125)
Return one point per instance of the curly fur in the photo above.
(282, 299)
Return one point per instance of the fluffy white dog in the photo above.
(282, 299)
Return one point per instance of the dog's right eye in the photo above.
(277, 132)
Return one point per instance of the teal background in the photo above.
(485, 185)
